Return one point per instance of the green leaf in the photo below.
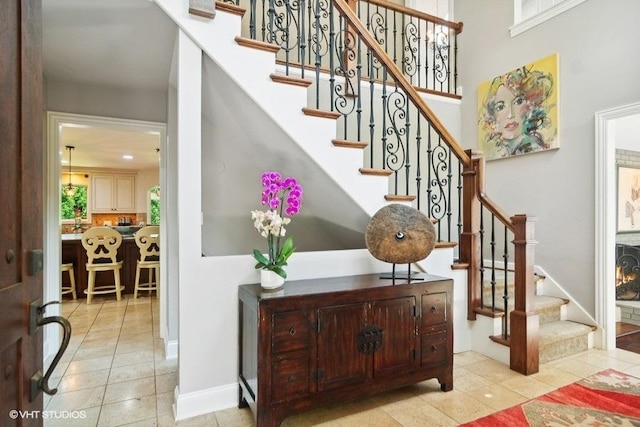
(260, 257)
(280, 272)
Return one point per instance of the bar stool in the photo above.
(71, 289)
(148, 241)
(101, 244)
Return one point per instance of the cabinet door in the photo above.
(102, 194)
(340, 363)
(397, 319)
(124, 197)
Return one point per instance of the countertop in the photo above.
(78, 236)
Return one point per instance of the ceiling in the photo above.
(108, 43)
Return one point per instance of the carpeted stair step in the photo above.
(549, 308)
(562, 338)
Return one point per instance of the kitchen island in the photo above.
(72, 251)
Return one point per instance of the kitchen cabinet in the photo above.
(325, 341)
(113, 194)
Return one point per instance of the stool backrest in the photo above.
(101, 243)
(148, 241)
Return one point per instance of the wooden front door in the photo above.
(21, 215)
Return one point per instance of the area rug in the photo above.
(608, 398)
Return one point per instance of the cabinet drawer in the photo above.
(434, 308)
(290, 331)
(434, 348)
(290, 376)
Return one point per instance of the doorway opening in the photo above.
(88, 161)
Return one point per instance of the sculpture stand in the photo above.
(407, 275)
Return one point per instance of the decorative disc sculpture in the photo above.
(400, 234)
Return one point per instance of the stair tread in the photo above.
(561, 330)
(545, 301)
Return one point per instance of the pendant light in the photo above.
(70, 190)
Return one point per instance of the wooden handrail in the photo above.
(491, 206)
(416, 13)
(401, 81)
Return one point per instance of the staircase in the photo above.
(314, 127)
(558, 336)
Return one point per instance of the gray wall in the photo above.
(599, 69)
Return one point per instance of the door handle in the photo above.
(37, 319)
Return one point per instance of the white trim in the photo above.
(204, 401)
(51, 176)
(540, 17)
(605, 218)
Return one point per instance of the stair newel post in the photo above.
(525, 324)
(470, 253)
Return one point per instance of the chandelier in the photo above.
(69, 189)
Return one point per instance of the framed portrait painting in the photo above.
(628, 199)
(518, 110)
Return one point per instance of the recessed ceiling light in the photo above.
(127, 157)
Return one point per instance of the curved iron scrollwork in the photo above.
(318, 30)
(283, 28)
(628, 277)
(410, 60)
(441, 56)
(345, 47)
(370, 339)
(395, 147)
(439, 178)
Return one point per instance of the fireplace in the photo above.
(627, 272)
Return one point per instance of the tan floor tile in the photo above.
(84, 418)
(126, 390)
(101, 334)
(140, 336)
(497, 397)
(467, 357)
(92, 352)
(465, 380)
(603, 359)
(459, 406)
(81, 381)
(554, 376)
(132, 410)
(166, 382)
(164, 403)
(234, 417)
(414, 412)
(76, 400)
(131, 372)
(575, 367)
(208, 420)
(492, 370)
(528, 386)
(87, 365)
(133, 358)
(128, 347)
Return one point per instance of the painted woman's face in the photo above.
(510, 111)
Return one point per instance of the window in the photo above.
(529, 13)
(154, 206)
(67, 204)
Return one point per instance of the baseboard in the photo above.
(171, 349)
(202, 402)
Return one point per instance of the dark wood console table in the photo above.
(319, 342)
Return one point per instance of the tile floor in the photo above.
(115, 371)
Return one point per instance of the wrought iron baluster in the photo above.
(481, 236)
(506, 296)
(418, 161)
(493, 262)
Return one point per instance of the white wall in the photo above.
(145, 180)
(597, 71)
